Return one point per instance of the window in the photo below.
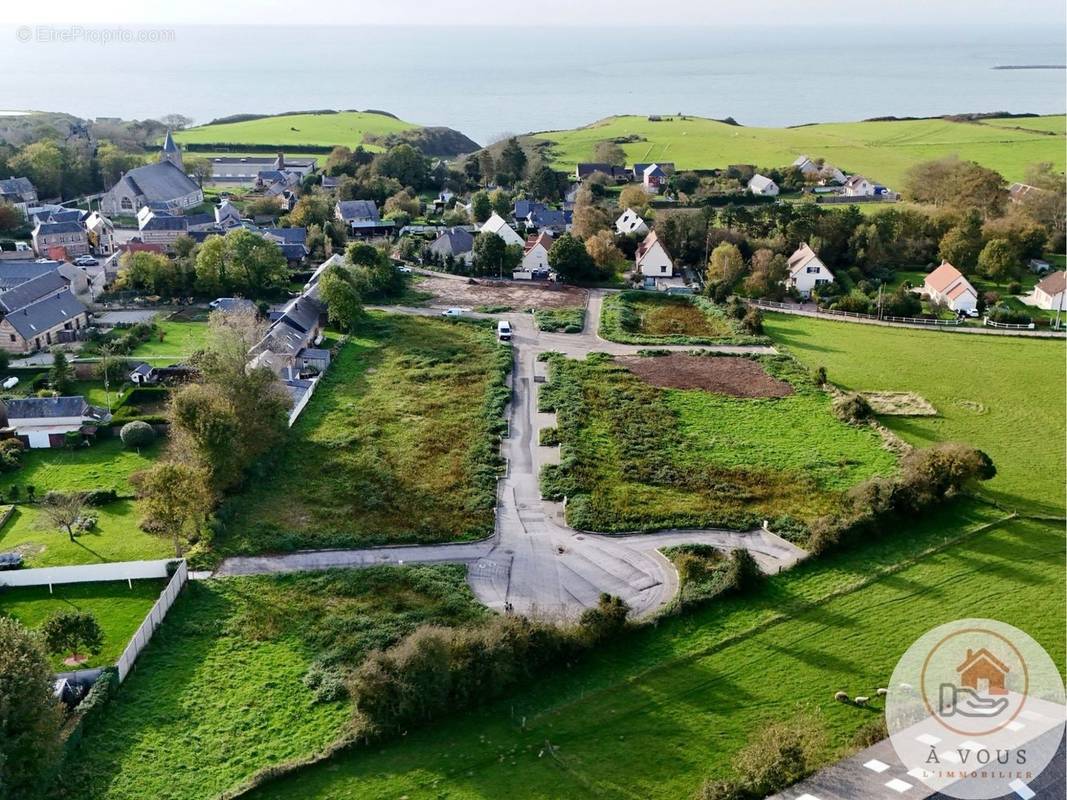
(127, 204)
(813, 270)
(13, 338)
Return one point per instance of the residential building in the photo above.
(807, 272)
(1038, 266)
(549, 219)
(227, 214)
(43, 323)
(947, 285)
(362, 218)
(652, 259)
(762, 186)
(164, 184)
(1049, 293)
(498, 225)
(70, 237)
(19, 192)
(161, 229)
(638, 170)
(455, 242)
(654, 178)
(534, 258)
(616, 174)
(40, 422)
(858, 186)
(249, 169)
(45, 285)
(1019, 192)
(630, 222)
(101, 233)
(523, 208)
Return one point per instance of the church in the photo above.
(162, 186)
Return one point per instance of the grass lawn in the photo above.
(347, 128)
(105, 464)
(637, 317)
(119, 608)
(883, 151)
(180, 340)
(692, 690)
(639, 457)
(116, 537)
(398, 444)
(219, 692)
(1003, 394)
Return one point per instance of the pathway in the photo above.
(535, 563)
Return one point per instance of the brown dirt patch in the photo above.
(902, 404)
(739, 377)
(452, 292)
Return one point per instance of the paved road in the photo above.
(534, 563)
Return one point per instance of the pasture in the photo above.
(1003, 394)
(118, 607)
(638, 457)
(882, 151)
(694, 688)
(346, 128)
(398, 444)
(220, 691)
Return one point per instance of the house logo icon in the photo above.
(983, 672)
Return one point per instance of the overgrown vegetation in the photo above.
(656, 318)
(557, 320)
(399, 443)
(705, 572)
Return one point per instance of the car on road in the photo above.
(503, 330)
(405, 270)
(452, 312)
(85, 261)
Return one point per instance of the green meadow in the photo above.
(346, 128)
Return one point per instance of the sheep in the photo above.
(882, 692)
(841, 697)
(861, 701)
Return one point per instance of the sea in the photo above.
(490, 81)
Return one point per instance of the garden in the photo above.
(398, 444)
(635, 317)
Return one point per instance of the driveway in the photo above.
(534, 563)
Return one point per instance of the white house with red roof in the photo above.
(947, 285)
(806, 271)
(652, 259)
(1049, 293)
(534, 257)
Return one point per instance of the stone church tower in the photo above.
(171, 153)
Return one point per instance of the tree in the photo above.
(343, 302)
(61, 374)
(725, 264)
(569, 258)
(609, 152)
(489, 252)
(11, 218)
(501, 202)
(241, 262)
(404, 163)
(64, 511)
(43, 163)
(634, 196)
(72, 632)
(604, 252)
(687, 182)
(177, 497)
(544, 182)
(137, 434)
(481, 206)
(404, 202)
(205, 424)
(513, 159)
(113, 162)
(998, 260)
(199, 167)
(153, 273)
(956, 184)
(264, 207)
(312, 209)
(962, 243)
(31, 719)
(768, 270)
(589, 220)
(175, 122)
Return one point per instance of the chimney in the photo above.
(970, 655)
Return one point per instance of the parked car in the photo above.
(10, 561)
(405, 270)
(503, 330)
(85, 261)
(452, 312)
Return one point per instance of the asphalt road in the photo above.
(534, 563)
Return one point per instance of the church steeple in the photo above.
(171, 153)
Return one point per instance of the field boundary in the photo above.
(152, 621)
(86, 573)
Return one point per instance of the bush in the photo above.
(137, 434)
(779, 756)
(753, 322)
(326, 683)
(852, 408)
(11, 451)
(1008, 316)
(100, 497)
(549, 437)
(605, 621)
(819, 376)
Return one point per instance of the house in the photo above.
(858, 186)
(549, 219)
(247, 169)
(812, 171)
(227, 215)
(313, 358)
(70, 237)
(762, 186)
(947, 285)
(630, 222)
(1038, 266)
(652, 259)
(164, 184)
(455, 242)
(806, 271)
(498, 225)
(19, 192)
(534, 258)
(806, 167)
(654, 178)
(570, 197)
(1048, 294)
(44, 421)
(162, 229)
(362, 218)
(101, 233)
(617, 174)
(43, 323)
(523, 208)
(329, 183)
(983, 672)
(638, 170)
(45, 285)
(227, 304)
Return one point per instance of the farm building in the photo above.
(947, 285)
(806, 271)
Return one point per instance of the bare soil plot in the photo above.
(738, 377)
(900, 404)
(478, 292)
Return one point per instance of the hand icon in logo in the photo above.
(968, 703)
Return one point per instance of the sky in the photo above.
(562, 13)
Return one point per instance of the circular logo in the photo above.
(975, 709)
(24, 33)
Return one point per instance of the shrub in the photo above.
(753, 322)
(326, 683)
(819, 376)
(605, 621)
(852, 408)
(100, 497)
(742, 572)
(1008, 316)
(780, 755)
(137, 434)
(549, 437)
(11, 451)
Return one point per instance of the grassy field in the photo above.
(219, 692)
(639, 457)
(693, 689)
(398, 444)
(116, 537)
(118, 607)
(1005, 395)
(347, 128)
(180, 340)
(105, 464)
(883, 151)
(562, 320)
(654, 318)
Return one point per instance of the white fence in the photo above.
(1007, 325)
(151, 622)
(85, 573)
(829, 312)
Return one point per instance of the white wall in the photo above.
(656, 263)
(85, 573)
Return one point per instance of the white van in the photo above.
(503, 330)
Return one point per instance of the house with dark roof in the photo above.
(161, 229)
(68, 237)
(19, 192)
(51, 320)
(44, 285)
(362, 218)
(524, 207)
(617, 174)
(247, 169)
(455, 242)
(163, 185)
(40, 422)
